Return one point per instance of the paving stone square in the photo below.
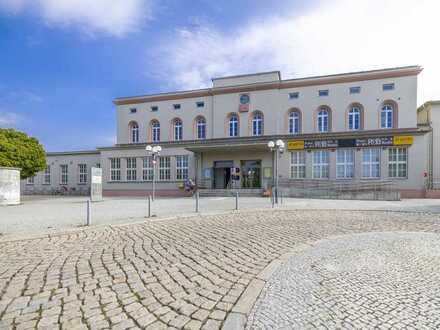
(188, 273)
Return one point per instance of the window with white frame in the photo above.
(201, 128)
(155, 131)
(115, 169)
(181, 167)
(323, 120)
(345, 163)
(82, 173)
(371, 163)
(297, 165)
(30, 180)
(388, 87)
(164, 168)
(355, 90)
(320, 164)
(64, 178)
(134, 131)
(178, 130)
(398, 162)
(147, 169)
(386, 116)
(233, 126)
(257, 124)
(294, 122)
(293, 95)
(354, 118)
(46, 175)
(131, 169)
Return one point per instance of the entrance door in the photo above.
(222, 174)
(251, 173)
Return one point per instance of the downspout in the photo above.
(431, 158)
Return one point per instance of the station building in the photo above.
(350, 127)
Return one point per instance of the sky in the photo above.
(62, 62)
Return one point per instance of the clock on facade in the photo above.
(244, 99)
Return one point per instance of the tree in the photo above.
(17, 149)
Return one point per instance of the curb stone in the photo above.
(237, 318)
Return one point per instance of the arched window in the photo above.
(155, 131)
(134, 132)
(178, 130)
(294, 122)
(354, 118)
(323, 120)
(201, 128)
(387, 116)
(233, 125)
(257, 124)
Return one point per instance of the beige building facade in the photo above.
(351, 127)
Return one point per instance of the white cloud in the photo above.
(114, 17)
(8, 119)
(334, 36)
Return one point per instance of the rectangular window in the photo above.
(297, 165)
(323, 92)
(30, 180)
(397, 162)
(181, 167)
(176, 106)
(320, 164)
(345, 164)
(154, 108)
(133, 110)
(82, 173)
(388, 87)
(293, 95)
(46, 178)
(131, 169)
(147, 169)
(371, 163)
(355, 90)
(115, 169)
(64, 179)
(200, 104)
(164, 168)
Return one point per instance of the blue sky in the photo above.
(62, 62)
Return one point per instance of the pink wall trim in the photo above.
(144, 193)
(419, 193)
(404, 193)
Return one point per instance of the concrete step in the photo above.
(230, 192)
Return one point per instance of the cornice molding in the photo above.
(289, 83)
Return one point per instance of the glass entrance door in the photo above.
(251, 173)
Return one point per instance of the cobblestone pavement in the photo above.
(182, 273)
(373, 280)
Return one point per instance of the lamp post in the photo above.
(154, 152)
(277, 149)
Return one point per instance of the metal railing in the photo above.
(337, 189)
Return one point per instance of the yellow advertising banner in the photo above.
(295, 145)
(403, 140)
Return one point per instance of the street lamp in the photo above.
(277, 148)
(154, 152)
